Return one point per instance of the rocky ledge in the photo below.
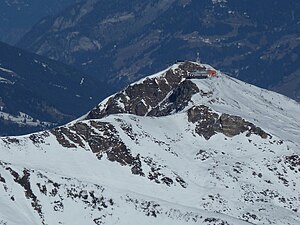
(209, 123)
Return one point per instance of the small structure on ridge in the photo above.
(202, 74)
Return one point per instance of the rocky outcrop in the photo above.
(177, 101)
(102, 138)
(158, 96)
(293, 161)
(209, 123)
(234, 125)
(24, 181)
(170, 93)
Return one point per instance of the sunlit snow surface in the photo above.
(227, 180)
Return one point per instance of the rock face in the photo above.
(209, 123)
(197, 152)
(120, 43)
(234, 125)
(157, 96)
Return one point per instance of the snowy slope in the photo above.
(196, 151)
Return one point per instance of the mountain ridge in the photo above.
(182, 166)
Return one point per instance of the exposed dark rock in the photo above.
(150, 208)
(203, 155)
(121, 154)
(177, 101)
(39, 138)
(293, 161)
(90, 195)
(2, 179)
(135, 99)
(102, 138)
(173, 77)
(127, 128)
(154, 174)
(43, 188)
(234, 125)
(150, 96)
(59, 134)
(151, 91)
(209, 123)
(137, 168)
(250, 217)
(181, 181)
(24, 181)
(9, 140)
(168, 181)
(98, 143)
(211, 220)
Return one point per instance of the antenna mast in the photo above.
(198, 58)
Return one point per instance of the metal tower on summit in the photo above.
(198, 58)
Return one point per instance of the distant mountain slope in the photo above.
(18, 16)
(36, 92)
(290, 85)
(256, 41)
(172, 149)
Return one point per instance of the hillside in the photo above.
(18, 16)
(255, 41)
(37, 93)
(173, 148)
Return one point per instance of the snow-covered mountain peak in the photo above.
(186, 84)
(147, 96)
(188, 145)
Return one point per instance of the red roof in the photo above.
(212, 72)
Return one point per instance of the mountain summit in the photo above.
(188, 145)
